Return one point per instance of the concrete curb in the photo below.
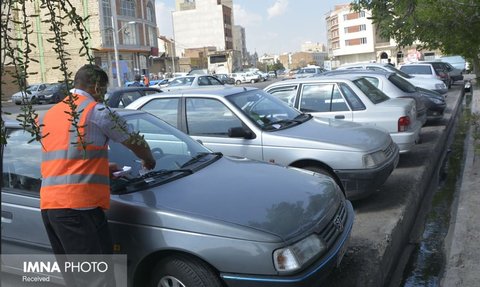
(462, 252)
(382, 232)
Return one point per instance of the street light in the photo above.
(170, 41)
(115, 48)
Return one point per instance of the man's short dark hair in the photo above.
(90, 75)
(138, 78)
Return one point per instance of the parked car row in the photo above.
(41, 93)
(199, 219)
(252, 187)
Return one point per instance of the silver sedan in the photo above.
(200, 219)
(250, 123)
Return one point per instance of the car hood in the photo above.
(330, 134)
(238, 198)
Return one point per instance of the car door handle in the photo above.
(340, 117)
(7, 217)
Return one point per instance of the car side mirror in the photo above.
(240, 132)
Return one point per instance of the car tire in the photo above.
(183, 271)
(252, 81)
(238, 82)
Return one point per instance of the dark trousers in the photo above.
(73, 231)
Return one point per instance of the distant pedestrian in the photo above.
(137, 82)
(390, 62)
(146, 81)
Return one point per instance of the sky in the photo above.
(271, 26)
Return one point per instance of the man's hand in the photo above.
(112, 167)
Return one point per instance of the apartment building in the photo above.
(203, 23)
(133, 21)
(352, 37)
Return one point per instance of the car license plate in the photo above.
(342, 252)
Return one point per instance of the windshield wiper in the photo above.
(127, 184)
(284, 123)
(199, 156)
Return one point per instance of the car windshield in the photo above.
(373, 93)
(417, 69)
(266, 111)
(32, 88)
(176, 154)
(53, 87)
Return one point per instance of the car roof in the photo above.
(342, 77)
(357, 72)
(216, 90)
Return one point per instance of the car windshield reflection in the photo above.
(266, 111)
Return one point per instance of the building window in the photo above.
(363, 40)
(362, 14)
(363, 27)
(150, 13)
(107, 32)
(127, 8)
(129, 33)
(152, 36)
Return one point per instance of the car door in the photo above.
(23, 231)
(324, 100)
(209, 120)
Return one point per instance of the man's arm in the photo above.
(141, 150)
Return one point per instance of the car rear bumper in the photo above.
(311, 276)
(361, 183)
(406, 140)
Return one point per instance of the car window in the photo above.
(373, 94)
(21, 162)
(322, 98)
(203, 81)
(128, 97)
(402, 84)
(215, 81)
(164, 108)
(286, 94)
(209, 117)
(352, 98)
(416, 69)
(374, 81)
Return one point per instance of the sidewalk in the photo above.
(463, 240)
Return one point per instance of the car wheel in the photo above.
(238, 82)
(183, 271)
(252, 81)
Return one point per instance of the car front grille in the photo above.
(335, 227)
(390, 150)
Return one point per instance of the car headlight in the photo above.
(373, 159)
(440, 86)
(295, 256)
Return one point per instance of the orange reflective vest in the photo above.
(72, 177)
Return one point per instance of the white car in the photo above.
(248, 77)
(30, 96)
(428, 71)
(352, 98)
(429, 84)
(189, 82)
(247, 122)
